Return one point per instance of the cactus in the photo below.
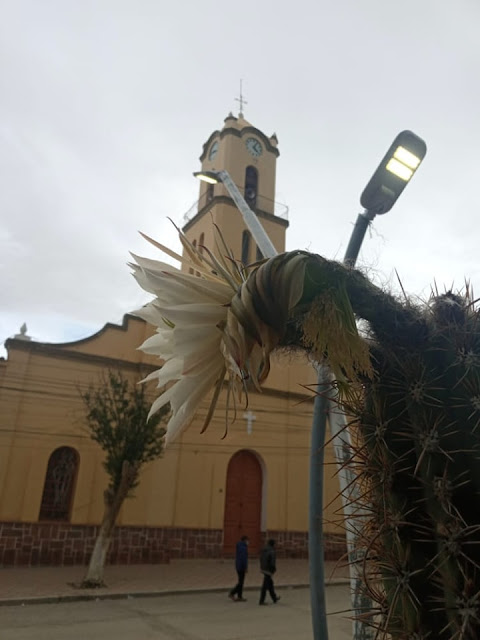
(421, 448)
(418, 453)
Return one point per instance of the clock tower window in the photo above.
(245, 247)
(251, 186)
(190, 270)
(210, 192)
(201, 246)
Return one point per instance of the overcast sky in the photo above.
(105, 106)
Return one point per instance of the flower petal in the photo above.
(161, 344)
(195, 314)
(188, 394)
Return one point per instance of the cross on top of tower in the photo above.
(242, 101)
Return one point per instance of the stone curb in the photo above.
(86, 597)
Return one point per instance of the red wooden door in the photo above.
(243, 502)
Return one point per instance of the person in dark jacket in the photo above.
(268, 566)
(241, 566)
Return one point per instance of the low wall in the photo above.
(23, 543)
(294, 544)
(40, 543)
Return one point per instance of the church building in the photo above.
(207, 489)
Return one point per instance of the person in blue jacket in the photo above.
(241, 565)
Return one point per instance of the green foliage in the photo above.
(116, 416)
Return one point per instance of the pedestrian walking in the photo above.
(268, 566)
(241, 566)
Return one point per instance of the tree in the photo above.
(117, 419)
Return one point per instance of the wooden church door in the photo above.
(243, 502)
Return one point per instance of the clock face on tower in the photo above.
(254, 147)
(213, 151)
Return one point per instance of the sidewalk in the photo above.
(20, 585)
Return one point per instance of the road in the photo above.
(202, 616)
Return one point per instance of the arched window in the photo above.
(59, 484)
(201, 245)
(251, 186)
(245, 247)
(210, 192)
(191, 270)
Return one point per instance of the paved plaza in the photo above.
(23, 584)
(183, 600)
(194, 616)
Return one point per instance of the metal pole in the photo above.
(356, 239)
(341, 441)
(325, 405)
(258, 232)
(316, 551)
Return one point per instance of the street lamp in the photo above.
(387, 183)
(393, 173)
(259, 234)
(385, 186)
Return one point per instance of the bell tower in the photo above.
(250, 157)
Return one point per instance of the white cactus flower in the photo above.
(222, 324)
(190, 312)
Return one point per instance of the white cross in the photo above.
(242, 101)
(250, 418)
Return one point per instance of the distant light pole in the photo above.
(256, 229)
(385, 186)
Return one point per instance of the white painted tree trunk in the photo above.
(96, 566)
(113, 504)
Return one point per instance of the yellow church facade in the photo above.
(246, 476)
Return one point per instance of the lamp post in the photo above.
(385, 186)
(253, 224)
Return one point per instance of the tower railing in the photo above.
(262, 204)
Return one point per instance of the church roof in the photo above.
(238, 123)
(239, 126)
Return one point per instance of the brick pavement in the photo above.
(40, 584)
